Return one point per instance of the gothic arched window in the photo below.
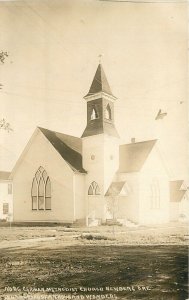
(94, 189)
(108, 113)
(94, 114)
(41, 191)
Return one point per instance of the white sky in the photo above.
(54, 48)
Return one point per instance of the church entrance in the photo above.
(96, 209)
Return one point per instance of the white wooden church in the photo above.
(92, 179)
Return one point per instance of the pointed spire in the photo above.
(100, 83)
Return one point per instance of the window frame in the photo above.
(39, 190)
(7, 208)
(9, 187)
(94, 188)
(155, 195)
(95, 112)
(108, 112)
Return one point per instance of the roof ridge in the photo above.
(59, 132)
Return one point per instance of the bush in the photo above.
(93, 237)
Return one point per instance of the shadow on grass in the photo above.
(163, 270)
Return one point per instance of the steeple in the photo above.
(100, 106)
(99, 83)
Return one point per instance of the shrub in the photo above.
(93, 237)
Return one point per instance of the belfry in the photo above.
(100, 106)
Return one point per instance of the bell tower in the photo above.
(100, 145)
(100, 106)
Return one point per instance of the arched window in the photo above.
(94, 114)
(94, 189)
(41, 191)
(155, 194)
(108, 113)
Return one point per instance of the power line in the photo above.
(51, 28)
(145, 2)
(41, 98)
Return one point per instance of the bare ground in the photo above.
(120, 263)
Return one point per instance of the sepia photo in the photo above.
(94, 186)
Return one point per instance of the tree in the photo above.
(3, 55)
(3, 124)
(112, 209)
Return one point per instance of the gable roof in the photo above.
(176, 190)
(133, 156)
(69, 147)
(115, 188)
(99, 83)
(4, 175)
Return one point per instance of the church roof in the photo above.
(4, 175)
(115, 188)
(133, 156)
(176, 190)
(69, 147)
(99, 83)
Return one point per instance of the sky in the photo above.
(53, 51)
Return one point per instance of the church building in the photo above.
(93, 179)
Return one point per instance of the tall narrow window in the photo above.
(155, 194)
(94, 114)
(5, 208)
(94, 189)
(108, 113)
(41, 199)
(48, 194)
(34, 193)
(9, 188)
(41, 191)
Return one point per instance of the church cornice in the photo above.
(100, 95)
